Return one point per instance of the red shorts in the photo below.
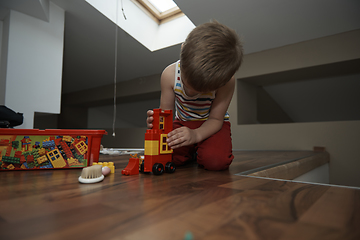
(214, 153)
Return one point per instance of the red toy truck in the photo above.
(157, 155)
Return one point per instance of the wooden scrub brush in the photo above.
(93, 174)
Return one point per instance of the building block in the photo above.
(11, 167)
(67, 138)
(4, 142)
(42, 151)
(29, 158)
(42, 159)
(18, 154)
(151, 147)
(14, 160)
(56, 159)
(81, 147)
(107, 164)
(74, 162)
(66, 149)
(26, 144)
(49, 144)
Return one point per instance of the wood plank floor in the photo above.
(192, 203)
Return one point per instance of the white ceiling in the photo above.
(262, 24)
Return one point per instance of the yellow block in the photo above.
(81, 147)
(67, 138)
(10, 166)
(56, 159)
(73, 162)
(106, 164)
(42, 151)
(41, 159)
(151, 147)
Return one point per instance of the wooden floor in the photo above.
(191, 203)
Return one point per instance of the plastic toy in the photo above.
(157, 155)
(133, 166)
(96, 172)
(22, 149)
(106, 164)
(91, 174)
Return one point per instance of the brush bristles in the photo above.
(91, 172)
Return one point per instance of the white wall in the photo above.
(2, 81)
(1, 30)
(34, 64)
(3, 57)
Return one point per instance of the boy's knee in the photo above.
(215, 162)
(183, 155)
(217, 166)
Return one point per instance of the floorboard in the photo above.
(192, 202)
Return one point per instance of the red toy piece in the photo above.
(133, 166)
(158, 155)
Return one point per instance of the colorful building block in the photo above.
(81, 147)
(56, 159)
(7, 159)
(49, 144)
(67, 138)
(42, 159)
(107, 164)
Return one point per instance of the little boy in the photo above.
(199, 87)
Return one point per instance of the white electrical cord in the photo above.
(116, 52)
(115, 69)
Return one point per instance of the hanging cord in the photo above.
(122, 9)
(115, 69)
(115, 60)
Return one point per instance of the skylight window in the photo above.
(160, 10)
(163, 5)
(168, 28)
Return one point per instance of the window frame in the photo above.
(159, 17)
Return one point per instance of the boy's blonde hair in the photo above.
(210, 56)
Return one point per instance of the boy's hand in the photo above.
(180, 137)
(149, 118)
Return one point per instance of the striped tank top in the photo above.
(196, 108)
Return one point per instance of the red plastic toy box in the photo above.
(23, 149)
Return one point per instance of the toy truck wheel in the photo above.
(158, 169)
(170, 167)
(142, 167)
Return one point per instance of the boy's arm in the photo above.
(184, 136)
(167, 99)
